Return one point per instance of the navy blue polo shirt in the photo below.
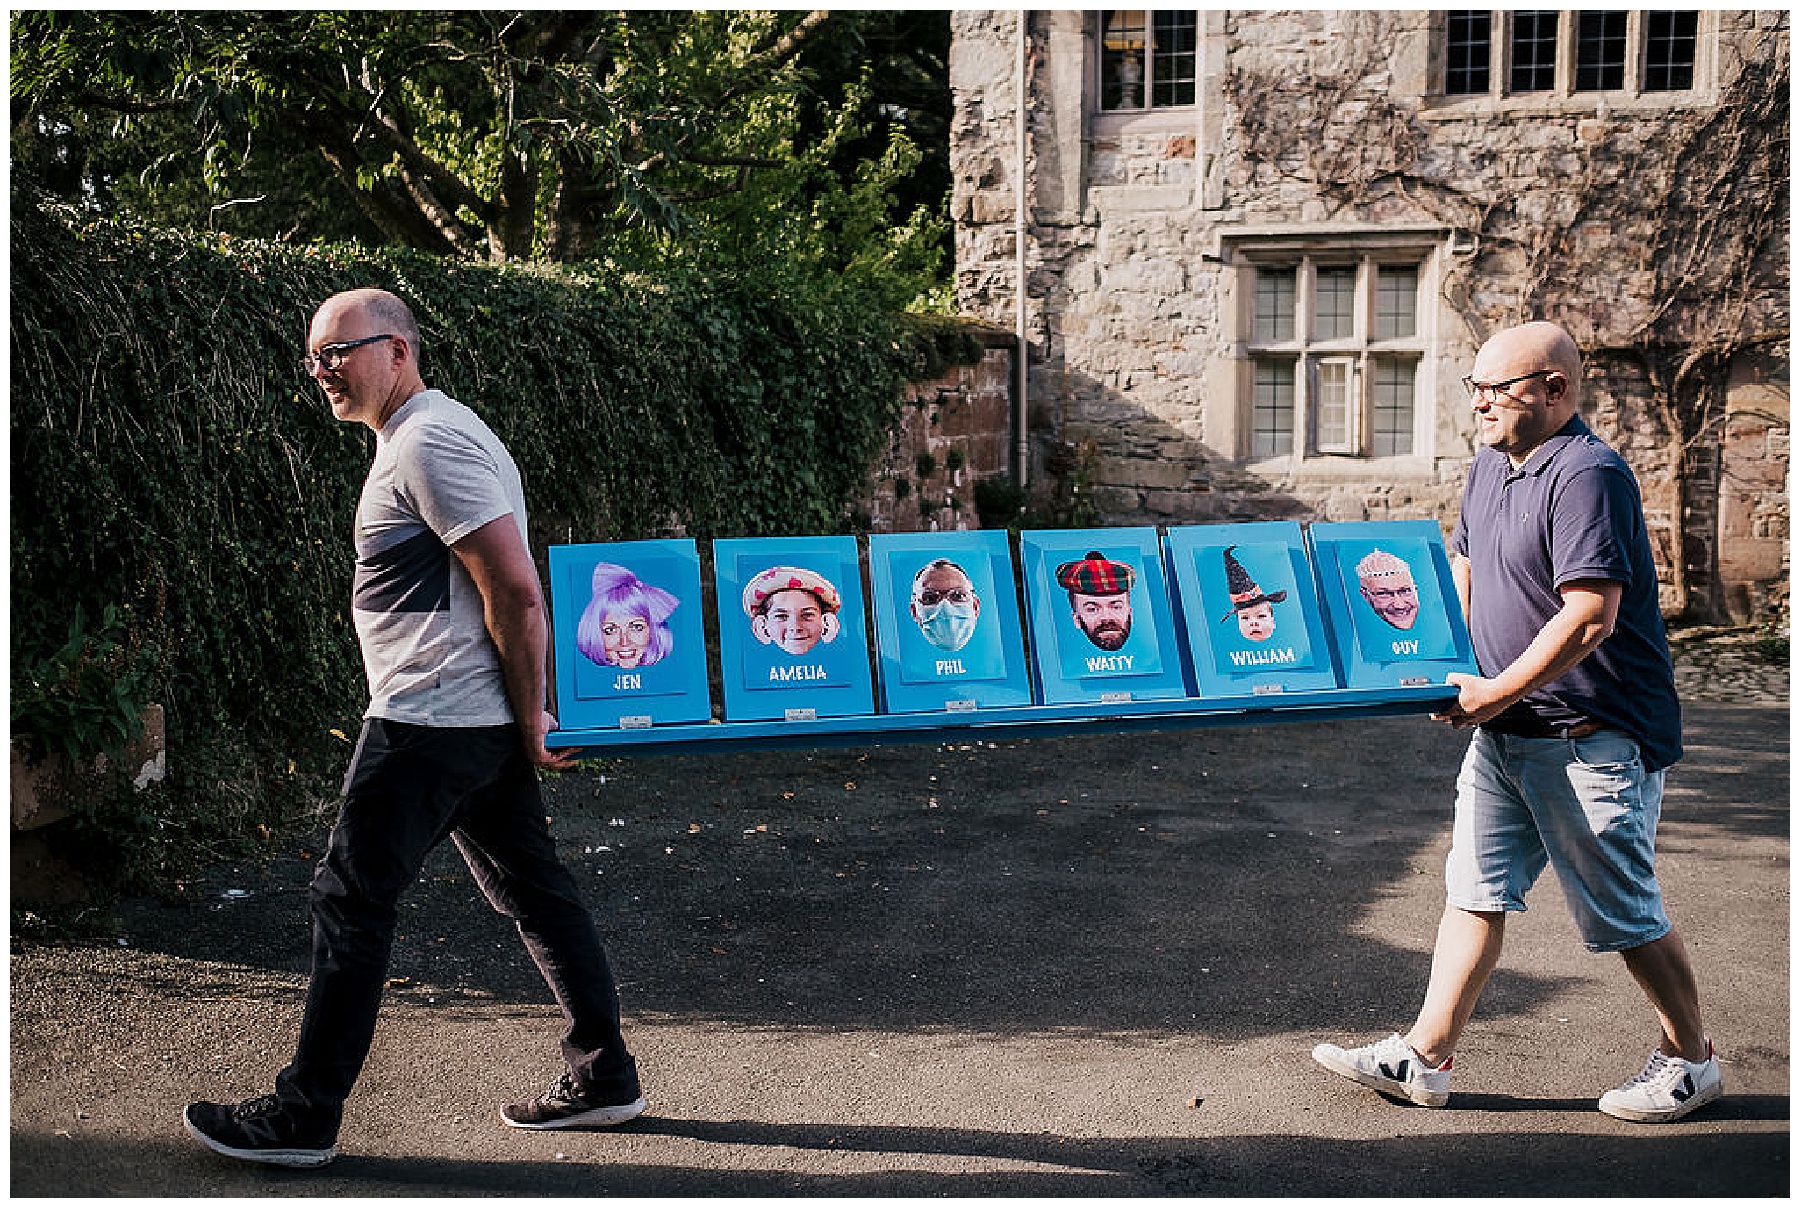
(1571, 512)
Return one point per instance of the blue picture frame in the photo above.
(940, 654)
(801, 651)
(1391, 602)
(1079, 661)
(1246, 598)
(628, 634)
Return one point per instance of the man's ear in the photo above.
(1556, 385)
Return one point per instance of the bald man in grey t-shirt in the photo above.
(451, 619)
(439, 475)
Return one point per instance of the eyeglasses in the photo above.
(330, 356)
(1490, 392)
(956, 595)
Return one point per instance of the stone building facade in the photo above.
(1258, 251)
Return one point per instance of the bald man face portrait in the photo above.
(363, 351)
(1525, 386)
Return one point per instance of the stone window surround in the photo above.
(1161, 119)
(1199, 121)
(1230, 407)
(1563, 99)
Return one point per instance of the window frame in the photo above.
(1097, 69)
(1313, 448)
(1465, 64)
(1318, 359)
(1564, 91)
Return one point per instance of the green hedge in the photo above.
(182, 498)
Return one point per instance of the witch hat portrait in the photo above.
(1248, 600)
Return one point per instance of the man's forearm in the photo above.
(1567, 638)
(1570, 635)
(521, 638)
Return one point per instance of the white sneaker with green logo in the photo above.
(1668, 1089)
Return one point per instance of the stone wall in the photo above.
(955, 434)
(1319, 126)
(1752, 494)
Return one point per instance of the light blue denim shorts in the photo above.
(1584, 805)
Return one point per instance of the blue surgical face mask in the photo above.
(948, 626)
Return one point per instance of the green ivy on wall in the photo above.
(175, 473)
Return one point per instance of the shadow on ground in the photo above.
(1139, 883)
(1751, 1164)
(1143, 882)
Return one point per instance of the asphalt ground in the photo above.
(1081, 966)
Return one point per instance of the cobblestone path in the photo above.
(1726, 665)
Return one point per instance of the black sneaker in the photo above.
(257, 1130)
(568, 1104)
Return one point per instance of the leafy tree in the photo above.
(501, 135)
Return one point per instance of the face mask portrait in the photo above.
(625, 624)
(947, 626)
(1253, 607)
(794, 621)
(945, 605)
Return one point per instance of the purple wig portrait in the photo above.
(620, 597)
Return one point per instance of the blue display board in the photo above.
(1246, 599)
(947, 627)
(792, 628)
(1101, 624)
(1395, 617)
(628, 634)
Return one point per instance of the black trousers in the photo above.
(408, 787)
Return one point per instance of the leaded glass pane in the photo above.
(1272, 425)
(1274, 305)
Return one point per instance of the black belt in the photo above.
(1533, 728)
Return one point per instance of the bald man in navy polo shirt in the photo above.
(1575, 718)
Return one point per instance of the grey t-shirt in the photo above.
(439, 474)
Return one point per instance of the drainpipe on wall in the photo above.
(1022, 447)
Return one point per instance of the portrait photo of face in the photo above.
(1257, 622)
(626, 638)
(1253, 607)
(944, 604)
(1387, 584)
(792, 608)
(1106, 620)
(1099, 598)
(625, 623)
